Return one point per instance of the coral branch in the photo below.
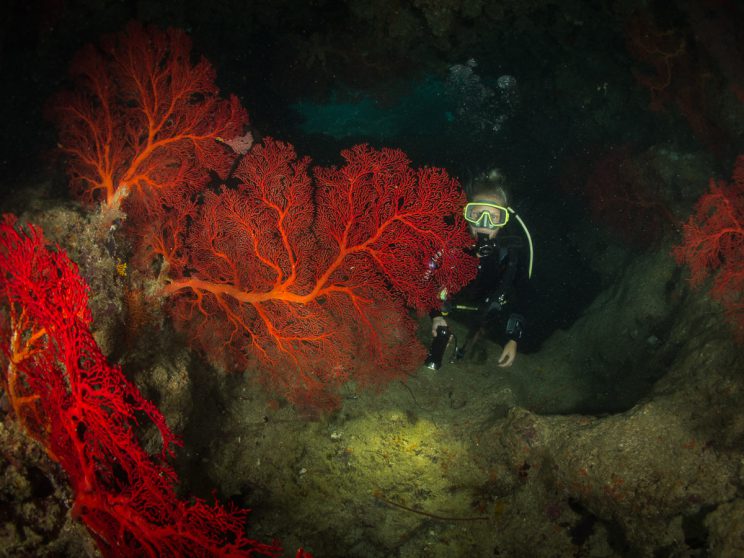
(713, 243)
(311, 278)
(143, 118)
(85, 413)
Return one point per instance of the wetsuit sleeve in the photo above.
(514, 329)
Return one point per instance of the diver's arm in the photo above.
(504, 301)
(436, 322)
(439, 316)
(514, 329)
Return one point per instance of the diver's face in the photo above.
(488, 231)
(475, 231)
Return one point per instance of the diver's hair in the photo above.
(489, 185)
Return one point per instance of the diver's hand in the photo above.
(508, 354)
(435, 323)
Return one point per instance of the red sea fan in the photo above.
(85, 414)
(312, 278)
(143, 118)
(713, 243)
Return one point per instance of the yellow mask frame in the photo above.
(485, 218)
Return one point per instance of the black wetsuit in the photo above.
(491, 302)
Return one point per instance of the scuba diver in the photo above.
(505, 257)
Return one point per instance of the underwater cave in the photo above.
(267, 208)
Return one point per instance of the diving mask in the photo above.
(486, 215)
